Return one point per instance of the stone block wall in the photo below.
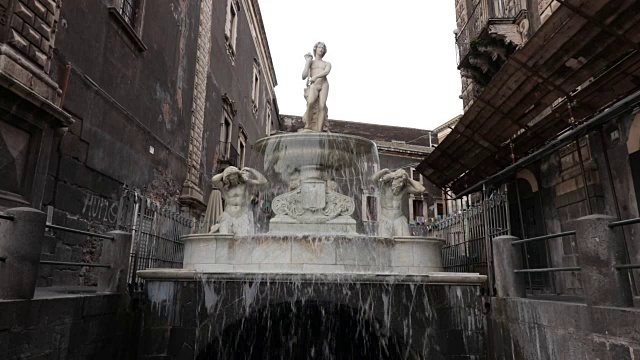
(562, 193)
(33, 28)
(64, 327)
(541, 330)
(70, 247)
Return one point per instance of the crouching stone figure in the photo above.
(393, 186)
(237, 217)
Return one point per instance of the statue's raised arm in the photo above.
(415, 187)
(259, 180)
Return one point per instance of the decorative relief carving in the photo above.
(292, 204)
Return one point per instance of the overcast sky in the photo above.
(393, 62)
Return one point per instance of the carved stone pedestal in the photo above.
(313, 208)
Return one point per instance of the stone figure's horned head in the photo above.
(400, 178)
(322, 46)
(231, 177)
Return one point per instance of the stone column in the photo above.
(506, 258)
(20, 249)
(601, 248)
(115, 253)
(191, 192)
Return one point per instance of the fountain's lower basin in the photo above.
(220, 253)
(195, 315)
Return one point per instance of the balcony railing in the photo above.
(228, 154)
(484, 13)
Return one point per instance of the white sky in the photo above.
(393, 62)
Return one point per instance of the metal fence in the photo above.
(156, 232)
(468, 234)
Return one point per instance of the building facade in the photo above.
(100, 95)
(547, 138)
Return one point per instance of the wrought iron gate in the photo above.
(468, 235)
(156, 232)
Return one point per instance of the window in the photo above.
(225, 136)
(268, 128)
(439, 209)
(231, 26)
(255, 90)
(129, 10)
(129, 14)
(242, 146)
(418, 211)
(415, 175)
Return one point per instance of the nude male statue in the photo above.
(237, 217)
(393, 186)
(315, 72)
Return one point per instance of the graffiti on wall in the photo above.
(100, 209)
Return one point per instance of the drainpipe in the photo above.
(65, 83)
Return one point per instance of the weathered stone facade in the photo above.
(146, 91)
(113, 98)
(538, 329)
(80, 326)
(33, 29)
(558, 195)
(488, 31)
(191, 191)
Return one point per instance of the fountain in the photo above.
(316, 278)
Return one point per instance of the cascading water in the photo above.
(317, 283)
(318, 180)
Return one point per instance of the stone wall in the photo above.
(132, 91)
(65, 326)
(562, 197)
(537, 329)
(33, 28)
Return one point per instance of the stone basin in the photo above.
(288, 153)
(304, 254)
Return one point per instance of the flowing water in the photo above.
(301, 294)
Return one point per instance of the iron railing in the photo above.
(156, 232)
(535, 276)
(468, 235)
(228, 153)
(50, 226)
(629, 266)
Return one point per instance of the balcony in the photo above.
(493, 31)
(228, 155)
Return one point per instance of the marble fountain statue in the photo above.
(313, 237)
(318, 175)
